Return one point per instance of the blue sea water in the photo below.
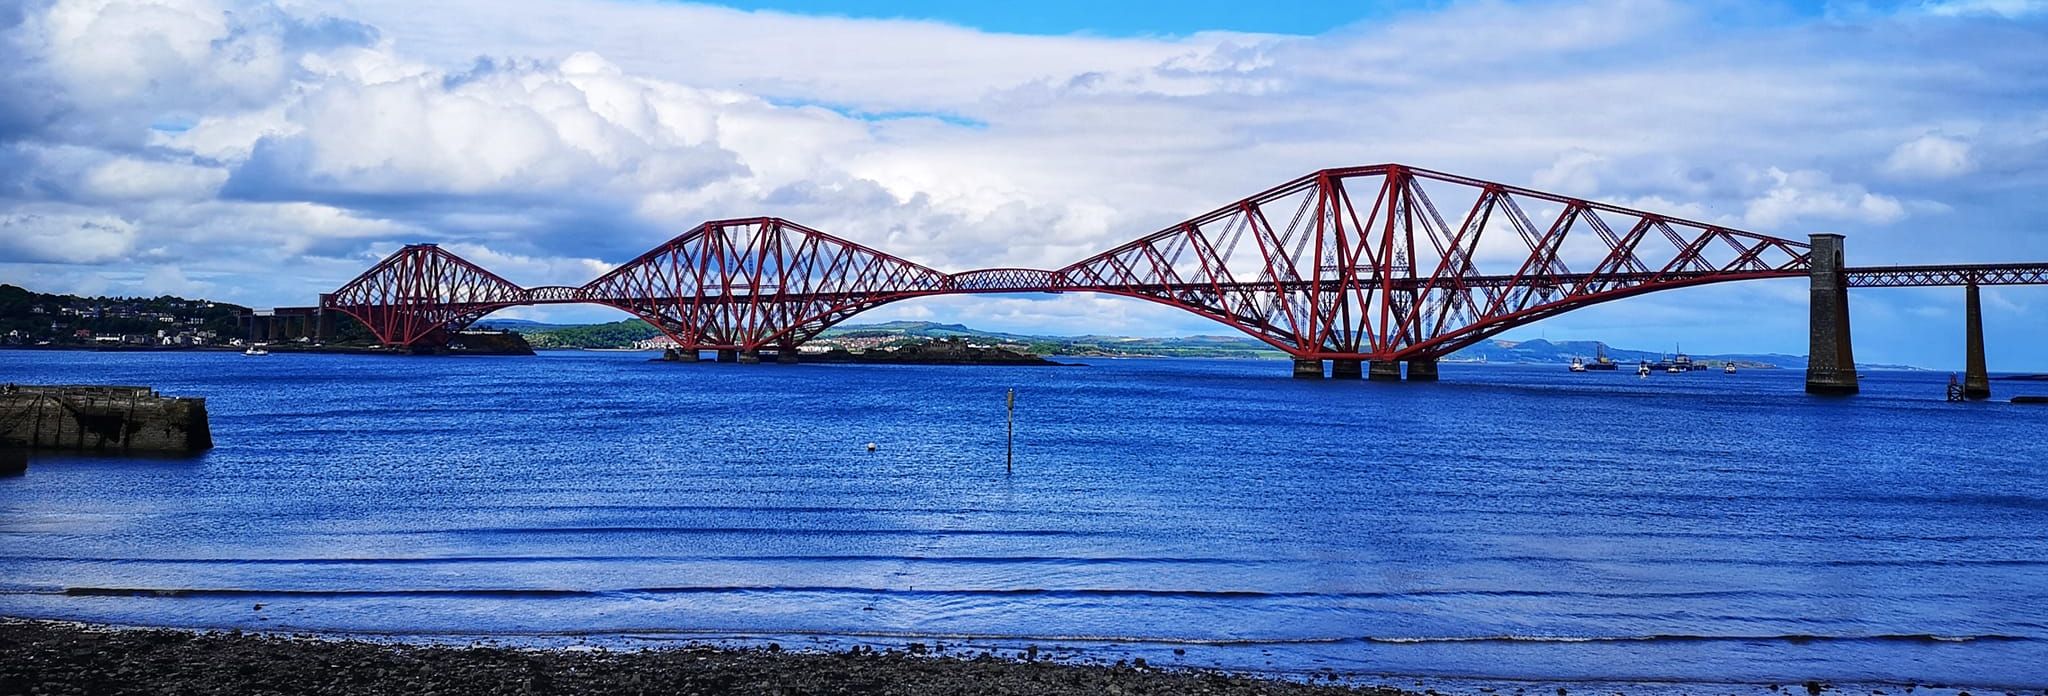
(1519, 523)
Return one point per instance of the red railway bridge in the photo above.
(1358, 266)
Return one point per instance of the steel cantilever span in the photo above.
(1349, 264)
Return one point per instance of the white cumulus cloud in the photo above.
(1930, 157)
(64, 236)
(1809, 196)
(2001, 8)
(138, 179)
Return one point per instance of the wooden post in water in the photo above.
(1010, 435)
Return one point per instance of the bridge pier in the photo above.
(1830, 362)
(1384, 370)
(1308, 369)
(727, 355)
(1422, 370)
(1976, 377)
(785, 354)
(1347, 369)
(750, 357)
(680, 354)
(324, 331)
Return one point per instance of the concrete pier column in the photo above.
(726, 356)
(1347, 369)
(750, 357)
(1976, 377)
(785, 354)
(1422, 370)
(1308, 369)
(1384, 370)
(1830, 363)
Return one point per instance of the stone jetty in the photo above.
(132, 420)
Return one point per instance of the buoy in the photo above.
(871, 447)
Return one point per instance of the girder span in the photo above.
(1004, 280)
(1355, 263)
(751, 282)
(1921, 276)
(554, 294)
(422, 292)
(1360, 263)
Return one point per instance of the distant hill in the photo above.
(1539, 351)
(920, 329)
(618, 334)
(1082, 346)
(1542, 351)
(1493, 351)
(521, 325)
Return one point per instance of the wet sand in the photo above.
(57, 658)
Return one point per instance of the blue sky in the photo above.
(1108, 18)
(262, 152)
(1157, 17)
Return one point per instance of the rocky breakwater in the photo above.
(133, 420)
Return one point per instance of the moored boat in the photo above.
(1600, 360)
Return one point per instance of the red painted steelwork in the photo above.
(1343, 263)
(743, 284)
(1924, 276)
(420, 294)
(1359, 263)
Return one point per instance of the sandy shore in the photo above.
(52, 658)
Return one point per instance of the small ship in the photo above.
(1680, 363)
(1600, 363)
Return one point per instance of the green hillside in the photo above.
(618, 334)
